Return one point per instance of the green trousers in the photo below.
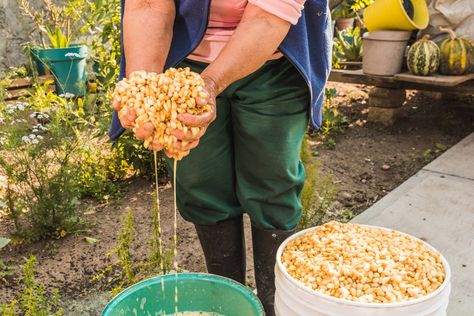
(249, 158)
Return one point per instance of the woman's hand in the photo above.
(188, 140)
(128, 122)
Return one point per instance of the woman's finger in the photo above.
(116, 105)
(156, 145)
(126, 123)
(200, 120)
(185, 146)
(203, 98)
(144, 131)
(188, 136)
(131, 115)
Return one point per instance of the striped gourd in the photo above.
(423, 57)
(457, 54)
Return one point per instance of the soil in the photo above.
(368, 161)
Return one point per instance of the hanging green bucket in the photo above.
(195, 293)
(68, 66)
(38, 63)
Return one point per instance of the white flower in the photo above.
(20, 107)
(39, 137)
(25, 139)
(67, 95)
(72, 55)
(32, 136)
(10, 111)
(35, 141)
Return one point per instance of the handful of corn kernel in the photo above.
(152, 102)
(363, 264)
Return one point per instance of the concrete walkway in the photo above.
(437, 205)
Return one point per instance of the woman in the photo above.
(265, 64)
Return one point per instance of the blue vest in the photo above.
(307, 46)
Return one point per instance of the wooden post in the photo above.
(385, 104)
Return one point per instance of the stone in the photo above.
(385, 116)
(386, 98)
(386, 167)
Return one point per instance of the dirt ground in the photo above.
(368, 161)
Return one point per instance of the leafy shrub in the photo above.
(38, 142)
(102, 27)
(52, 156)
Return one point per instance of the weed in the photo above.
(123, 248)
(334, 122)
(5, 271)
(159, 260)
(330, 143)
(347, 215)
(34, 300)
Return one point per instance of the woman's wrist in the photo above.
(212, 85)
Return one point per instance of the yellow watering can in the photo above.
(396, 15)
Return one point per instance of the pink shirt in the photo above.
(225, 16)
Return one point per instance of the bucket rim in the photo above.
(301, 286)
(415, 25)
(71, 46)
(183, 276)
(412, 21)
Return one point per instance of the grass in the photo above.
(318, 192)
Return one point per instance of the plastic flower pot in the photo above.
(383, 52)
(68, 65)
(196, 292)
(343, 24)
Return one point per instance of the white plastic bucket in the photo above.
(294, 299)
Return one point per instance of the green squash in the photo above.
(457, 54)
(423, 57)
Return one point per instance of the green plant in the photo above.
(334, 121)
(7, 77)
(5, 271)
(60, 24)
(349, 45)
(357, 5)
(334, 60)
(9, 309)
(159, 260)
(318, 191)
(34, 301)
(100, 171)
(103, 38)
(38, 144)
(343, 11)
(131, 152)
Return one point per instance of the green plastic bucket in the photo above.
(196, 293)
(38, 63)
(68, 66)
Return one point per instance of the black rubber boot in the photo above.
(224, 248)
(265, 246)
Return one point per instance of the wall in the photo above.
(14, 29)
